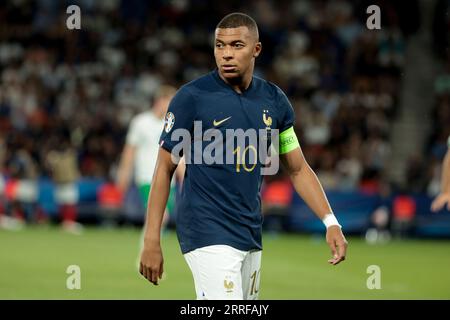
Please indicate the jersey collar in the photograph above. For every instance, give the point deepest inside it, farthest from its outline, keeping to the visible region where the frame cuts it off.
(222, 83)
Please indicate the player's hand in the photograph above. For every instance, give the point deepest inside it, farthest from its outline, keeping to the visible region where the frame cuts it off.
(337, 243)
(151, 266)
(440, 201)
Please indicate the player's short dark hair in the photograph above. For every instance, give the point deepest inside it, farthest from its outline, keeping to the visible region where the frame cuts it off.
(238, 19)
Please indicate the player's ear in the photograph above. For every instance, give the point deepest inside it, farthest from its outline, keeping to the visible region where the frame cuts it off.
(257, 49)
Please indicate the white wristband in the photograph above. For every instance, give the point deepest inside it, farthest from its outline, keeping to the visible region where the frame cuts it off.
(330, 220)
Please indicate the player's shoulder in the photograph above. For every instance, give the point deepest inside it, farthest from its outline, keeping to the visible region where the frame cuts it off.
(198, 85)
(268, 87)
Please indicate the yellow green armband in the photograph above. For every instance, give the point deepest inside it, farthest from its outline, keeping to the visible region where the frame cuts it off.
(288, 141)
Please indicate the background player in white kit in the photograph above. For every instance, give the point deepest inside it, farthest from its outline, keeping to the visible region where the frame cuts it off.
(141, 149)
(443, 197)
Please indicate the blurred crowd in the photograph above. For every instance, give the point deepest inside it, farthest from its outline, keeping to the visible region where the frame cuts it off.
(67, 96)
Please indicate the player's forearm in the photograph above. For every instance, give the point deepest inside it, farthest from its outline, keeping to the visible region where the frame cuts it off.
(308, 186)
(159, 193)
(157, 202)
(445, 184)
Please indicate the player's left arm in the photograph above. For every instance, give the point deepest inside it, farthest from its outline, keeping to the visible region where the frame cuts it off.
(309, 188)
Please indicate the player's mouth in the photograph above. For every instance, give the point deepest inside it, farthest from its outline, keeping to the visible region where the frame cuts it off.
(228, 67)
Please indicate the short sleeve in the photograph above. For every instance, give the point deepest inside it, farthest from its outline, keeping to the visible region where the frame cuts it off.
(287, 112)
(180, 115)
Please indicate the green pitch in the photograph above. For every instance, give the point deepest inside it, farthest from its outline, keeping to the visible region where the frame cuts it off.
(33, 264)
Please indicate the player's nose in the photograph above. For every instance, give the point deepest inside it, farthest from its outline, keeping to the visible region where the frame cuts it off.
(227, 53)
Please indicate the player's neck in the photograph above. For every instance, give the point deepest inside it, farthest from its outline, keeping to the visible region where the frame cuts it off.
(239, 84)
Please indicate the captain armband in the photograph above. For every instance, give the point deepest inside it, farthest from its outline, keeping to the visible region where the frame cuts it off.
(288, 141)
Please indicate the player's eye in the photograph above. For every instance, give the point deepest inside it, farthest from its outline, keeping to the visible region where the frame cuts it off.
(219, 45)
(239, 45)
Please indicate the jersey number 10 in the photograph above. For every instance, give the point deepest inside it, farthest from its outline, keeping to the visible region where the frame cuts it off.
(241, 158)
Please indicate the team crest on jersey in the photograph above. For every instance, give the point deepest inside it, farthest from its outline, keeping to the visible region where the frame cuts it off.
(169, 121)
(229, 285)
(267, 120)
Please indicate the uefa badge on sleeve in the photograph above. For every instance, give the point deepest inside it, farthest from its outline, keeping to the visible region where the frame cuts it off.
(169, 121)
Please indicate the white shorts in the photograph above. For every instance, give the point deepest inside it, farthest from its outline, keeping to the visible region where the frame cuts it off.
(222, 272)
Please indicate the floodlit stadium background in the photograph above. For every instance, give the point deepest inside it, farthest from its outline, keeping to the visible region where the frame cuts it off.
(373, 117)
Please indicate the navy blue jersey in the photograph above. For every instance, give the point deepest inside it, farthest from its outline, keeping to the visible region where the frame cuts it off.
(221, 203)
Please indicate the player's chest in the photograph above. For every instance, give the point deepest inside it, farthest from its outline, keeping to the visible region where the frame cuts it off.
(237, 112)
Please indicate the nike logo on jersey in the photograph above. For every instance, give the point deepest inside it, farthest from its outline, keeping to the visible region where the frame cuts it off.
(217, 123)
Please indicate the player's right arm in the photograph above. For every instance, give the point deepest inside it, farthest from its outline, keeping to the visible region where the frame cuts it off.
(181, 115)
(444, 197)
(151, 265)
